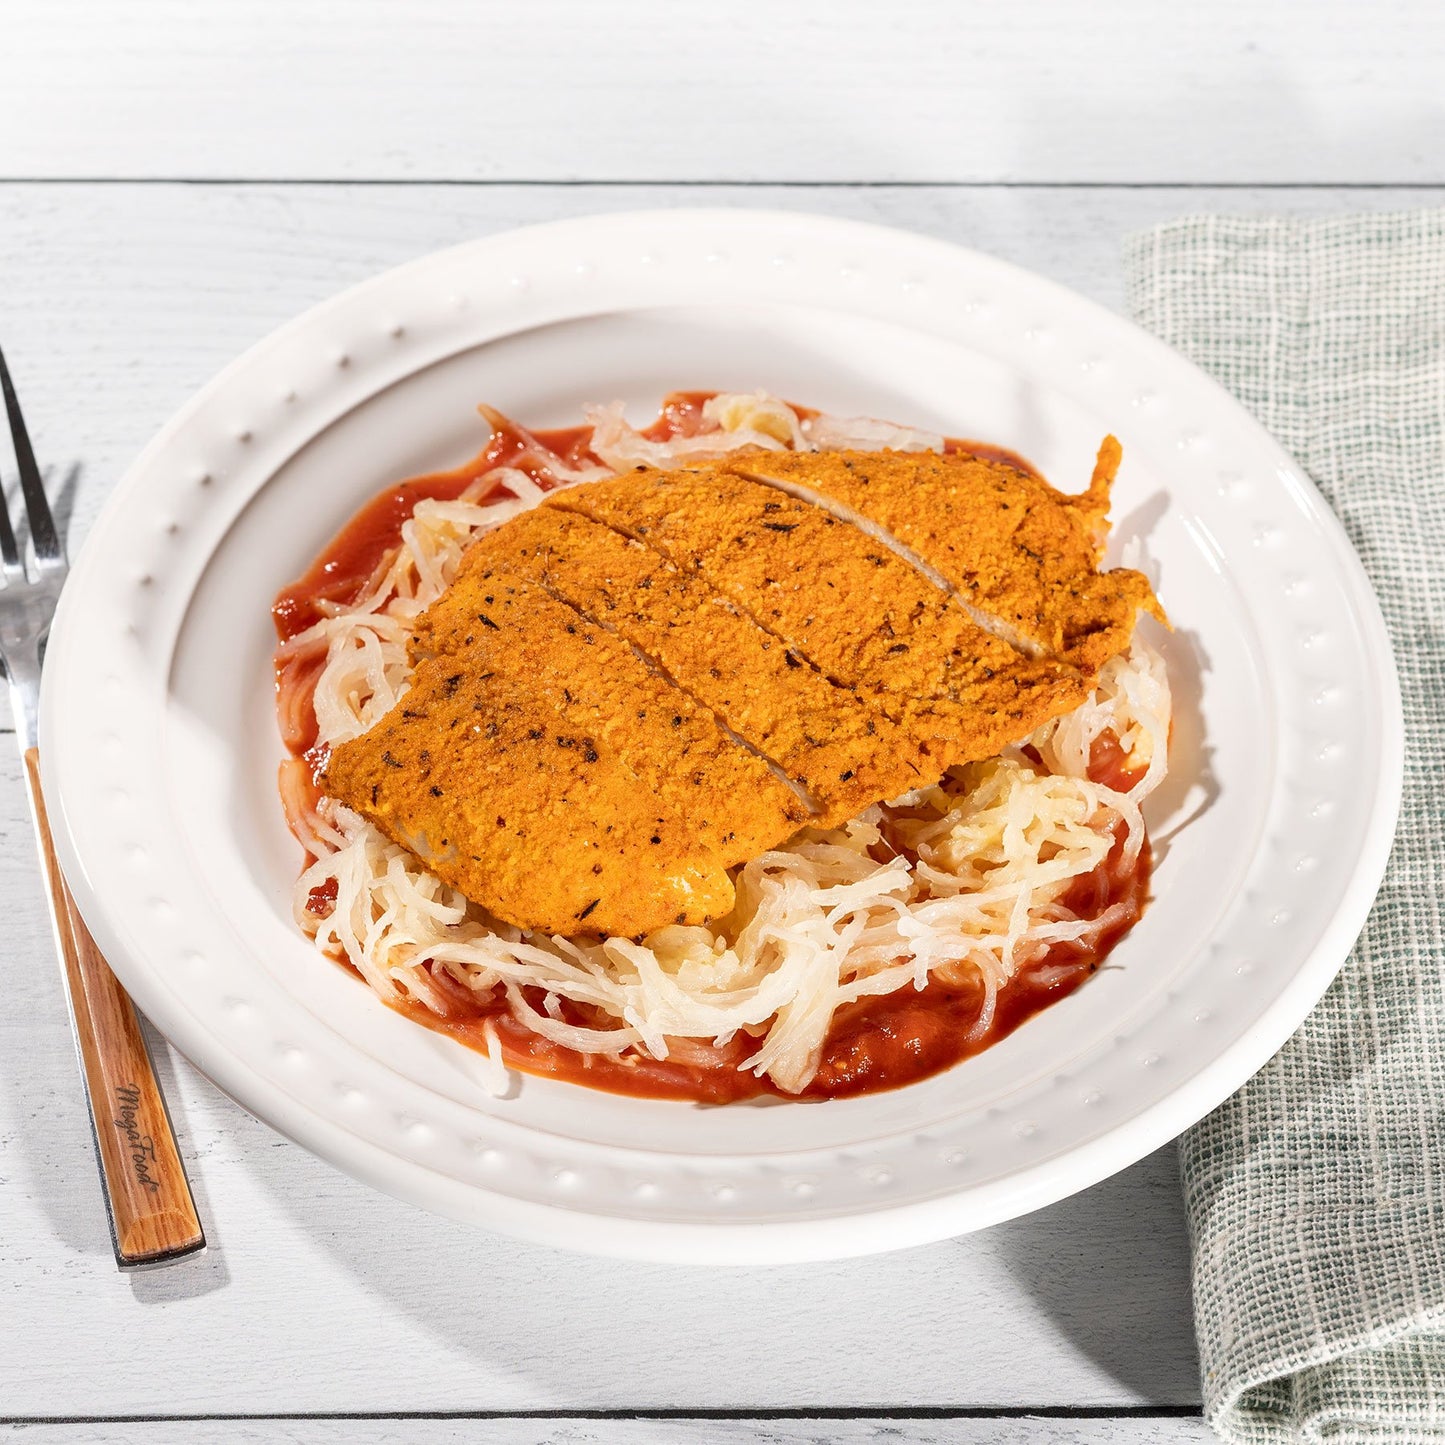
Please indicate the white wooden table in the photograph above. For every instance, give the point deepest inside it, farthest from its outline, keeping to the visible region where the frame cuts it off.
(177, 180)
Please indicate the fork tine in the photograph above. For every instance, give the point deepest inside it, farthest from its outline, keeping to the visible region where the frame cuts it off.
(9, 552)
(47, 544)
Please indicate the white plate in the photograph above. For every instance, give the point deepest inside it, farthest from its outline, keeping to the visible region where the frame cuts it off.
(160, 746)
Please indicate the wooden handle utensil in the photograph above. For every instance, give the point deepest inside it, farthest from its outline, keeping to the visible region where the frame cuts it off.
(153, 1217)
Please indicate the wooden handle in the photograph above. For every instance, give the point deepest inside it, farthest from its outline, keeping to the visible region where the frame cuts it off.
(153, 1217)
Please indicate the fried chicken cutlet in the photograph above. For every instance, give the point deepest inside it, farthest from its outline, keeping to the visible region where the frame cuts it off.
(651, 679)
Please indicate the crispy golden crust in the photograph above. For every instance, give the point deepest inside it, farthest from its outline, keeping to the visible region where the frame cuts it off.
(843, 601)
(482, 783)
(609, 697)
(591, 746)
(844, 753)
(1014, 548)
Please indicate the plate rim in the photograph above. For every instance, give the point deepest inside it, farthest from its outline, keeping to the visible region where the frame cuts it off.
(740, 1240)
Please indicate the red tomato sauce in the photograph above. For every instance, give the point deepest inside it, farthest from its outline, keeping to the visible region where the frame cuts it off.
(873, 1044)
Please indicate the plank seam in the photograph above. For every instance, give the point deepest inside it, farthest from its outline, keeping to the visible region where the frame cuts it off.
(606, 183)
(921, 1412)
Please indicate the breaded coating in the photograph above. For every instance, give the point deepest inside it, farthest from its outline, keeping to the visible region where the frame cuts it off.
(841, 600)
(1018, 551)
(655, 768)
(543, 828)
(845, 754)
(648, 680)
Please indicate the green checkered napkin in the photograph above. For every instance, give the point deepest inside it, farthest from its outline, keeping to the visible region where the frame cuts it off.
(1316, 1196)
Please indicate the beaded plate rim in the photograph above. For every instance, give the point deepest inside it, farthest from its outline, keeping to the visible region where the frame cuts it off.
(1332, 681)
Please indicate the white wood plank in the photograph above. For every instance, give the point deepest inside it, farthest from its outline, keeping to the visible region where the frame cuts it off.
(1026, 1430)
(818, 90)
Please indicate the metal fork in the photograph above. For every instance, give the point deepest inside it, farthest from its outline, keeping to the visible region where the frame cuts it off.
(153, 1218)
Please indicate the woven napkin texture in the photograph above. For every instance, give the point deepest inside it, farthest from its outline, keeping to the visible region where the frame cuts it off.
(1316, 1196)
